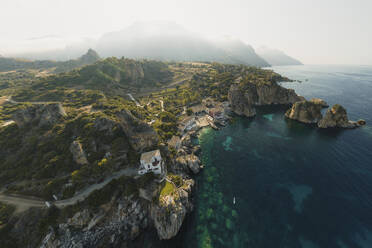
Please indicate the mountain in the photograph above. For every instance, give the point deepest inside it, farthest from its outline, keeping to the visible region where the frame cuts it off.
(10, 64)
(276, 57)
(239, 51)
(89, 58)
(169, 41)
(112, 76)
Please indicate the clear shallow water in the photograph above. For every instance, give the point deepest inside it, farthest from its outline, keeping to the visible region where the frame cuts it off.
(294, 185)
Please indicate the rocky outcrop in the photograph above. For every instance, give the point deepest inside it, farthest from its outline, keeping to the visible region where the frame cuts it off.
(140, 135)
(78, 153)
(336, 117)
(239, 102)
(319, 101)
(115, 225)
(361, 122)
(39, 114)
(305, 111)
(244, 97)
(189, 161)
(168, 214)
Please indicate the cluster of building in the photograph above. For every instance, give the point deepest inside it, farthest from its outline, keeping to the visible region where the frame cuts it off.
(208, 113)
(205, 114)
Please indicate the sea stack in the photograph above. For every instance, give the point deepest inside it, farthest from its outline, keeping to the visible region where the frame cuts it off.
(306, 111)
(336, 117)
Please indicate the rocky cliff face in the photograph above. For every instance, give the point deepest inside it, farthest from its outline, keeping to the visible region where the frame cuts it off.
(310, 112)
(39, 114)
(244, 97)
(78, 153)
(168, 214)
(115, 225)
(323, 103)
(140, 135)
(305, 111)
(239, 102)
(336, 117)
(189, 161)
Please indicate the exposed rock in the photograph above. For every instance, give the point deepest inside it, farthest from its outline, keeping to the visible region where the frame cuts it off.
(323, 103)
(361, 122)
(78, 153)
(39, 114)
(168, 214)
(336, 117)
(305, 111)
(244, 97)
(104, 124)
(189, 161)
(140, 135)
(80, 219)
(239, 102)
(117, 226)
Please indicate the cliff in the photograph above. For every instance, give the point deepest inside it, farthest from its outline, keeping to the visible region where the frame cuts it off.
(305, 111)
(244, 97)
(140, 135)
(310, 112)
(39, 114)
(115, 224)
(170, 211)
(336, 117)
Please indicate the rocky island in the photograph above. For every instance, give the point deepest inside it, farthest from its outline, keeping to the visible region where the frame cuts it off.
(310, 112)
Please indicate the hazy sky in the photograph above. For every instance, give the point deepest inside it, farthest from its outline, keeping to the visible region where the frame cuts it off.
(314, 31)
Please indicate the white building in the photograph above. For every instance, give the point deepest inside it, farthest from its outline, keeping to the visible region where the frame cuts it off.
(151, 162)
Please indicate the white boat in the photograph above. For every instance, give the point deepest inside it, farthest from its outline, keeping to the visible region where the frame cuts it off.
(234, 200)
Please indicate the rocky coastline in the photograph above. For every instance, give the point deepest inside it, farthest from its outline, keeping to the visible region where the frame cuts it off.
(309, 112)
(157, 206)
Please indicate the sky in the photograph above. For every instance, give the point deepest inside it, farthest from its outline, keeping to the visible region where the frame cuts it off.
(313, 31)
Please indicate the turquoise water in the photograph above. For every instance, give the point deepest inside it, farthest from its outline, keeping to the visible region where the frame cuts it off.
(294, 185)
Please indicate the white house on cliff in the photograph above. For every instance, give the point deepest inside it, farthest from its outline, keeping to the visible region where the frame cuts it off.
(151, 162)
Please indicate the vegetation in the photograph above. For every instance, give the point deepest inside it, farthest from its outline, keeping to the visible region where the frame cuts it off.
(167, 189)
(37, 160)
(11, 64)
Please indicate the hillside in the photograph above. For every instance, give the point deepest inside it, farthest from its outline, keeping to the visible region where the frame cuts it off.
(11, 64)
(111, 76)
(276, 57)
(68, 133)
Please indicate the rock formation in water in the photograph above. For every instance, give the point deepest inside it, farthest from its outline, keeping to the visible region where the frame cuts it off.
(306, 111)
(168, 214)
(323, 103)
(39, 114)
(244, 97)
(336, 117)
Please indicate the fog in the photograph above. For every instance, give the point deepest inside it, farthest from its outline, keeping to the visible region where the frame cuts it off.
(314, 32)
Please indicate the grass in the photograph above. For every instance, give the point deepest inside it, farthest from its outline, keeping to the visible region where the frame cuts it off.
(167, 189)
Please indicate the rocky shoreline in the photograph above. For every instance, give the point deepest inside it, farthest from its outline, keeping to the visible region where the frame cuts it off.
(310, 112)
(164, 203)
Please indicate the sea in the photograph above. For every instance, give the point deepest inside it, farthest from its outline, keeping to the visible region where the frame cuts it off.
(270, 182)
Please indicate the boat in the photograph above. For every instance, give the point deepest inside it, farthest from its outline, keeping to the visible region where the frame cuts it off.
(234, 200)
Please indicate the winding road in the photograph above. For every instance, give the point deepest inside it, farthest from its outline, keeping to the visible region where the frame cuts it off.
(23, 203)
(134, 100)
